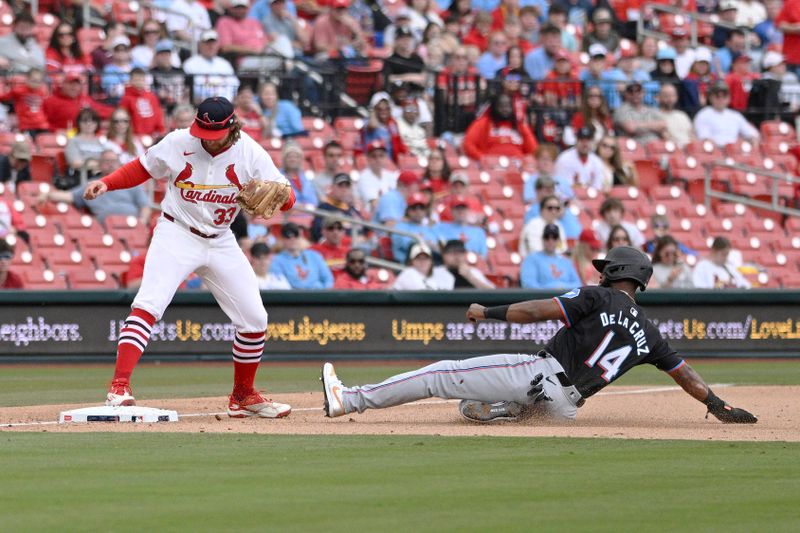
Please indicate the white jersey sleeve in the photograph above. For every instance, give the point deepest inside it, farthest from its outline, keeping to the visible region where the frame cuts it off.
(155, 159)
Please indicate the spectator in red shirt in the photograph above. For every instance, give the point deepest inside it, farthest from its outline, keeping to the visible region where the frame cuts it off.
(508, 9)
(143, 106)
(788, 22)
(481, 29)
(28, 101)
(8, 279)
(334, 244)
(64, 54)
(356, 276)
(739, 80)
(498, 132)
(62, 107)
(561, 87)
(249, 113)
(337, 34)
(239, 35)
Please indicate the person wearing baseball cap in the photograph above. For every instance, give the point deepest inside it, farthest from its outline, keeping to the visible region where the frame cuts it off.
(720, 124)
(339, 201)
(261, 259)
(376, 178)
(391, 205)
(302, 267)
(637, 120)
(336, 34)
(213, 75)
(583, 252)
(416, 221)
(547, 268)
(455, 263)
(420, 275)
(461, 227)
(741, 76)
(602, 31)
(665, 71)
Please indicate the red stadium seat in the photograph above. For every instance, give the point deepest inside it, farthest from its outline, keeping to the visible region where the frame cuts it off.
(361, 82)
(775, 129)
(630, 149)
(318, 127)
(348, 124)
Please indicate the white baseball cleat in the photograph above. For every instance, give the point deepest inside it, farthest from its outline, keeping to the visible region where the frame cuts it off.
(332, 391)
(119, 394)
(256, 405)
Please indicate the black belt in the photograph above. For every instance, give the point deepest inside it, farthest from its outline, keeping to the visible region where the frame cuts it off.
(193, 230)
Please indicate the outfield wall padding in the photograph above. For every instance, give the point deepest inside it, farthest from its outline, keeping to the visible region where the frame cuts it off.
(337, 324)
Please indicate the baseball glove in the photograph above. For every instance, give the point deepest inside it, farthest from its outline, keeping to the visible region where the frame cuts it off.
(263, 198)
(727, 413)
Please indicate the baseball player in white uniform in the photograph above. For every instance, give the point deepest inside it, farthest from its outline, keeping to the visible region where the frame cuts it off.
(207, 165)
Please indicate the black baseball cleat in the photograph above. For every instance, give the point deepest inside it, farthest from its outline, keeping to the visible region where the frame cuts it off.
(483, 412)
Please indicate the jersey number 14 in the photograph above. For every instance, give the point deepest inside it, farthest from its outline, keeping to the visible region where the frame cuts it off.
(608, 361)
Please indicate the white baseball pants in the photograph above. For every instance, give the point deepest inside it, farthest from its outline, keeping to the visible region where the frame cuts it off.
(175, 252)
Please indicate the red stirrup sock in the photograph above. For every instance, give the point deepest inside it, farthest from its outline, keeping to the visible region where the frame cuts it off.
(247, 350)
(133, 339)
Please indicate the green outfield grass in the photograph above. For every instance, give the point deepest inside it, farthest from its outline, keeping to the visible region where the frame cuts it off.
(171, 482)
(37, 385)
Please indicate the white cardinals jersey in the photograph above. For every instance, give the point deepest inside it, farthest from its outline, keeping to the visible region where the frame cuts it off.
(202, 188)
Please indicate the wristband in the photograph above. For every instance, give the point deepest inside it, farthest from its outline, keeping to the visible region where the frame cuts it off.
(496, 313)
(713, 402)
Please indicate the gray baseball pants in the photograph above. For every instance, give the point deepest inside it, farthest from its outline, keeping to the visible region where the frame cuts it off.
(492, 378)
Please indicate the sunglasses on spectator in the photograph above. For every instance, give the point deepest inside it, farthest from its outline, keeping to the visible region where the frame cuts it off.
(357, 261)
(608, 145)
(335, 227)
(63, 33)
(620, 238)
(120, 120)
(550, 238)
(553, 207)
(660, 226)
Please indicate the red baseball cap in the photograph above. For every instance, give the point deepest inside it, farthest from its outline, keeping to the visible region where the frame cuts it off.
(589, 237)
(417, 199)
(459, 200)
(340, 3)
(213, 120)
(376, 144)
(407, 177)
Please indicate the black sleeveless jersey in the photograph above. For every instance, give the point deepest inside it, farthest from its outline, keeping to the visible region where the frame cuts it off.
(606, 334)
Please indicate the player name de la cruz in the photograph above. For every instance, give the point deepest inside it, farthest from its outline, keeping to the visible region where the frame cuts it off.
(633, 327)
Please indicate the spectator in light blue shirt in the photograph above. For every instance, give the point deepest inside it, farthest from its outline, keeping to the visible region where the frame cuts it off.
(293, 161)
(414, 222)
(540, 61)
(485, 5)
(547, 269)
(284, 117)
(495, 57)
(474, 238)
(305, 269)
(261, 10)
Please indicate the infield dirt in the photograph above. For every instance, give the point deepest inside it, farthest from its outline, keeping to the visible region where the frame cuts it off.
(618, 412)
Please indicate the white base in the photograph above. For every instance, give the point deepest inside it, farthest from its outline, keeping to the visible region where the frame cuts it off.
(132, 413)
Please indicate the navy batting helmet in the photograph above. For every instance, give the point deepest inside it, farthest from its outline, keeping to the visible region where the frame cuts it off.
(625, 262)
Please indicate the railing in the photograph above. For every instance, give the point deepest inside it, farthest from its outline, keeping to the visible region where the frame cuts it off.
(356, 223)
(693, 19)
(773, 205)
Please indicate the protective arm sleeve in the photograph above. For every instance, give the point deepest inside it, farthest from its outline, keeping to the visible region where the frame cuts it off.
(128, 175)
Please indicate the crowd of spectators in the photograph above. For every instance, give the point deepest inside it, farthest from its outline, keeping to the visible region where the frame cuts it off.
(558, 83)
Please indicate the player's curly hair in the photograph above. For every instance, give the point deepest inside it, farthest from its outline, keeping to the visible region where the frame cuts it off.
(235, 132)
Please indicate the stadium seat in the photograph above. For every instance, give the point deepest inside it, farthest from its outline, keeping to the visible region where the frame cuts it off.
(348, 124)
(630, 149)
(88, 280)
(650, 174)
(318, 127)
(362, 81)
(35, 279)
(43, 168)
(704, 151)
(775, 129)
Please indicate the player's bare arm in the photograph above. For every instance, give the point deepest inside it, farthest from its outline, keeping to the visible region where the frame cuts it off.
(693, 384)
(94, 189)
(521, 313)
